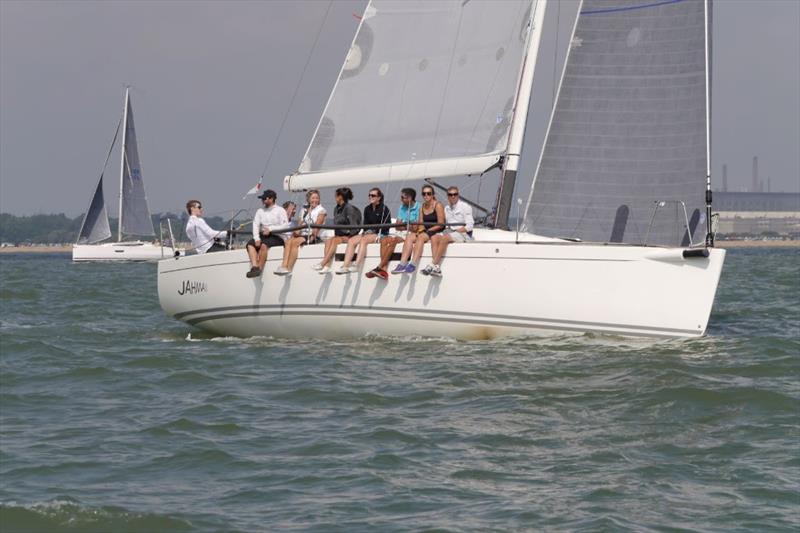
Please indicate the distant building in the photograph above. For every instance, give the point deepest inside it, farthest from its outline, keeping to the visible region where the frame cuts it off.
(757, 213)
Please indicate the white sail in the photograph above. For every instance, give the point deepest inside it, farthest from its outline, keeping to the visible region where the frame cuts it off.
(629, 128)
(426, 90)
(134, 213)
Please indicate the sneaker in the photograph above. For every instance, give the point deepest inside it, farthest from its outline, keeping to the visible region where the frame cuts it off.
(343, 270)
(324, 270)
(318, 266)
(372, 273)
(437, 271)
(381, 273)
(353, 268)
(282, 271)
(427, 270)
(254, 272)
(399, 269)
(410, 268)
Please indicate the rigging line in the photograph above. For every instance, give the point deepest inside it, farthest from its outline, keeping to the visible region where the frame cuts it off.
(446, 86)
(555, 54)
(297, 88)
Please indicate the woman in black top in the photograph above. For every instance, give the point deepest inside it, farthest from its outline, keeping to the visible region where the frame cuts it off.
(344, 214)
(375, 212)
(431, 222)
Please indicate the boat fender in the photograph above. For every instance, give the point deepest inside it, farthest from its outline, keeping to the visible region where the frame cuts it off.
(695, 252)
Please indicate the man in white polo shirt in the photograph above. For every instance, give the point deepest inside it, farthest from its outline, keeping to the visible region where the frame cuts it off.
(455, 212)
(268, 219)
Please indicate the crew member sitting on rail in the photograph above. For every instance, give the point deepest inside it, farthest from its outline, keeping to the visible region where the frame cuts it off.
(313, 213)
(431, 222)
(269, 218)
(375, 212)
(344, 214)
(407, 217)
(456, 211)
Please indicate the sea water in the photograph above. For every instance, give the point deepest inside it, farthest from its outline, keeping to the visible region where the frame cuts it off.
(114, 417)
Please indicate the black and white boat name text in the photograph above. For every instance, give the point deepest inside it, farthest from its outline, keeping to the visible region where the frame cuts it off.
(192, 287)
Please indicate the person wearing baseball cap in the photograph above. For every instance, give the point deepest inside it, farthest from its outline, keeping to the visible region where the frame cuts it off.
(267, 221)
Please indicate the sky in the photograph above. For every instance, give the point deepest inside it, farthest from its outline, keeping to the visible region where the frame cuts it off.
(212, 82)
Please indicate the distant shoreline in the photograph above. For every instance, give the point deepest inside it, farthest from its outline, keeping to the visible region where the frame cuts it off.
(720, 244)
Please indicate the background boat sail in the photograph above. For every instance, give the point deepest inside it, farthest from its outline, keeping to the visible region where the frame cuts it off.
(134, 214)
(441, 89)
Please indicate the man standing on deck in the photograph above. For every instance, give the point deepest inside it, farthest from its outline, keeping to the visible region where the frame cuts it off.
(267, 220)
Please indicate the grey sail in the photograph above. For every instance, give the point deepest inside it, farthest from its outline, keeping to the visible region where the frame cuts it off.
(135, 215)
(95, 226)
(426, 89)
(629, 127)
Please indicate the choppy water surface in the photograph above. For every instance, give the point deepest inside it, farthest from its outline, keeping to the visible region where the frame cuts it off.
(116, 418)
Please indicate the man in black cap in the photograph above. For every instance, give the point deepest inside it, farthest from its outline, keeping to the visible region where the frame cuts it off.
(268, 219)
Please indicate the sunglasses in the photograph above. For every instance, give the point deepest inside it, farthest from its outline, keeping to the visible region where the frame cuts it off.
(452, 194)
(198, 206)
(427, 193)
(371, 195)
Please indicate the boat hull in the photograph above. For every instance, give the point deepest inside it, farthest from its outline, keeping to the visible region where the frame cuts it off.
(489, 290)
(121, 251)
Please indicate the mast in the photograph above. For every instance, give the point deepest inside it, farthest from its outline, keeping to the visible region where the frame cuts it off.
(519, 119)
(122, 162)
(709, 233)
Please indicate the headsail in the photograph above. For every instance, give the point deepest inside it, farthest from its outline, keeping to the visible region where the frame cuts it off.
(628, 128)
(426, 90)
(135, 215)
(95, 227)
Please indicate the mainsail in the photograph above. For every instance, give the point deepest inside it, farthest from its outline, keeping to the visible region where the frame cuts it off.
(134, 213)
(629, 128)
(427, 90)
(95, 226)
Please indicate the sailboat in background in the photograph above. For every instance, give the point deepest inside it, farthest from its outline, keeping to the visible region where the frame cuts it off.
(134, 214)
(441, 89)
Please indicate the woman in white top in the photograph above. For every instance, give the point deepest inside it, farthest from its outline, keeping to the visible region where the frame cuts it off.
(203, 237)
(313, 214)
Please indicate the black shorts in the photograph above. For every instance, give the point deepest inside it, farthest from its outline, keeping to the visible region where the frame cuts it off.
(270, 241)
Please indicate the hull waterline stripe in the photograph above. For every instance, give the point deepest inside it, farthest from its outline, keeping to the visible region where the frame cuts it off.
(407, 314)
(620, 330)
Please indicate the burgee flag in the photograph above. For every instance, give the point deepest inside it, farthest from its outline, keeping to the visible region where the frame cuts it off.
(255, 189)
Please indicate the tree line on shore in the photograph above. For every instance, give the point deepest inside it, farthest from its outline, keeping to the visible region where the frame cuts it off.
(61, 229)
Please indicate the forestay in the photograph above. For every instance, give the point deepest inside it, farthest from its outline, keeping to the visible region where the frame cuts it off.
(426, 90)
(135, 214)
(628, 128)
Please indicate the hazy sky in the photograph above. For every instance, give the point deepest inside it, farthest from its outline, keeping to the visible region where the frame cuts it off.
(212, 81)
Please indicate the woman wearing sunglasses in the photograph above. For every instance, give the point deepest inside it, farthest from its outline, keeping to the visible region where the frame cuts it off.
(375, 212)
(431, 222)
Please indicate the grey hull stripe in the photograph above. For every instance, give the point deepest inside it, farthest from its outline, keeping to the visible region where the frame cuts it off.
(504, 258)
(415, 314)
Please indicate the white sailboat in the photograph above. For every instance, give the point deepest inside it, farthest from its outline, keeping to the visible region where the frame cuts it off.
(134, 214)
(438, 89)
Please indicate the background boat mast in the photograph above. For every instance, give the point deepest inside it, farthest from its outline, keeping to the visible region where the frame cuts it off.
(122, 162)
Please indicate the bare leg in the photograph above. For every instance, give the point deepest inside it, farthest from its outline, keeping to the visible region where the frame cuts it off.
(387, 249)
(292, 251)
(419, 246)
(253, 255)
(444, 242)
(362, 250)
(330, 249)
(352, 244)
(407, 247)
(262, 256)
